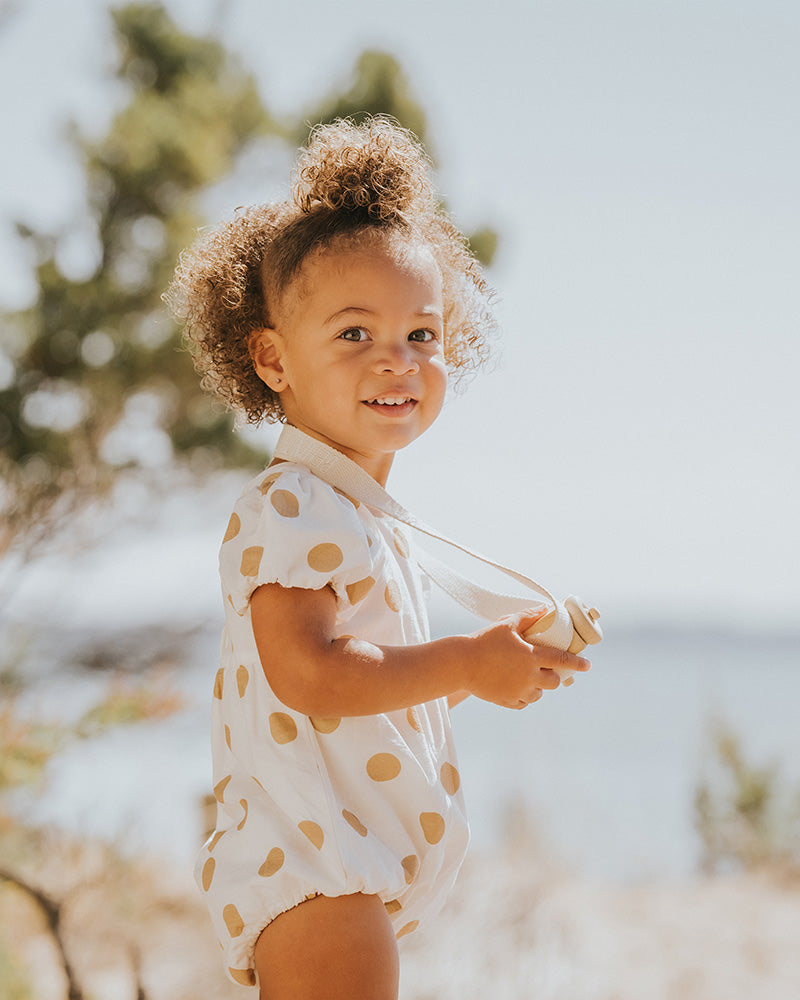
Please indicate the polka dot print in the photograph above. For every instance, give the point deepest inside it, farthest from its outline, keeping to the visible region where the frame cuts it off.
(285, 503)
(244, 977)
(432, 824)
(208, 874)
(355, 822)
(251, 560)
(325, 558)
(358, 591)
(233, 920)
(325, 725)
(410, 867)
(392, 596)
(313, 831)
(400, 543)
(273, 863)
(267, 482)
(233, 529)
(397, 775)
(219, 788)
(450, 778)
(282, 727)
(383, 767)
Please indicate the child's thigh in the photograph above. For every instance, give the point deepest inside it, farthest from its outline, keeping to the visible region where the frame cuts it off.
(340, 948)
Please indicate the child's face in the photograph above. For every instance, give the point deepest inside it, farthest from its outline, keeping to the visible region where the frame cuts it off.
(359, 351)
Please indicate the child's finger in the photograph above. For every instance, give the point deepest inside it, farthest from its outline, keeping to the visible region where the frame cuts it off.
(522, 620)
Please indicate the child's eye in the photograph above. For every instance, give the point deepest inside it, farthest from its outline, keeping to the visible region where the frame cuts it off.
(354, 334)
(422, 336)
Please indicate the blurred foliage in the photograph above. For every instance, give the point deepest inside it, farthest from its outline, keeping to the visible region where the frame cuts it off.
(100, 382)
(744, 816)
(377, 85)
(27, 744)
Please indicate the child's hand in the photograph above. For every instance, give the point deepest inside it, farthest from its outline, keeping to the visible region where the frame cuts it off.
(510, 671)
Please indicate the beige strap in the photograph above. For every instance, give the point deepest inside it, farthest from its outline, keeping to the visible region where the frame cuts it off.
(339, 471)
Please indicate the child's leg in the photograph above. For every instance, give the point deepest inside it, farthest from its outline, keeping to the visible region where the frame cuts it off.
(340, 948)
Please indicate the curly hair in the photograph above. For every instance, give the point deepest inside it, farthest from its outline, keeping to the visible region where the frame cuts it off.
(350, 180)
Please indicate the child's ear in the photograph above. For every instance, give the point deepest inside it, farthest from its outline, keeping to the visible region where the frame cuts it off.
(264, 346)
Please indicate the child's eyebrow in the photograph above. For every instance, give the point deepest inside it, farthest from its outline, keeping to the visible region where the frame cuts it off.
(426, 313)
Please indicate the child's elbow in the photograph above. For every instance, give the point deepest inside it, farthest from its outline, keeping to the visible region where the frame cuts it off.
(301, 684)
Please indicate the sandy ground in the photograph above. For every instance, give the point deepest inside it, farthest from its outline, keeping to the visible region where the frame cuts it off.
(510, 931)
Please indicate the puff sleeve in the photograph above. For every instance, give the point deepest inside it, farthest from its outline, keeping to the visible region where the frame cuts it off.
(291, 528)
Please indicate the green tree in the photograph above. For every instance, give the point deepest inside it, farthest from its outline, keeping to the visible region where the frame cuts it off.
(99, 353)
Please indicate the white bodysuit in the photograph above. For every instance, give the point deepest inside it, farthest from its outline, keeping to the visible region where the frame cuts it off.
(323, 805)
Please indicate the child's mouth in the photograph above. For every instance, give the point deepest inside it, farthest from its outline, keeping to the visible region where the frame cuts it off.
(392, 406)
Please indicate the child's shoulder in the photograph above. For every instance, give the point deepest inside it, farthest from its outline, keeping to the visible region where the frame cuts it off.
(291, 527)
(291, 492)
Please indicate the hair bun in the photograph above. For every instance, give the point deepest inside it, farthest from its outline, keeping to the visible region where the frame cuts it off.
(377, 168)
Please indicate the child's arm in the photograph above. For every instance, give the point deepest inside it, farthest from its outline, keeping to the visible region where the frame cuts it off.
(317, 674)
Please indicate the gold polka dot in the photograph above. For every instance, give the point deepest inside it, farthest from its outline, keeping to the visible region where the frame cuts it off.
(234, 526)
(243, 804)
(251, 560)
(233, 920)
(400, 543)
(215, 840)
(410, 867)
(451, 779)
(392, 595)
(285, 503)
(325, 558)
(413, 720)
(383, 767)
(208, 873)
(228, 736)
(267, 481)
(432, 826)
(358, 591)
(408, 929)
(355, 822)
(242, 680)
(323, 725)
(313, 831)
(244, 977)
(220, 787)
(273, 863)
(218, 680)
(282, 727)
(393, 906)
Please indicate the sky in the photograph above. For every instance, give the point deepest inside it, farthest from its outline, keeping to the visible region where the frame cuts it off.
(636, 441)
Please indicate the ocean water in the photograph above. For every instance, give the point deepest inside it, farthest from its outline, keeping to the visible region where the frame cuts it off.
(603, 772)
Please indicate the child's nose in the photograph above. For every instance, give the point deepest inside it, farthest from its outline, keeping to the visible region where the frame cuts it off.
(397, 360)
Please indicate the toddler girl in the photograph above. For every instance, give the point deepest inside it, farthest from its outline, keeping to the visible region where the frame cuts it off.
(340, 825)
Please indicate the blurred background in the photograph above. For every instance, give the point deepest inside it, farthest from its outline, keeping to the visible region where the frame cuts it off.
(627, 171)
